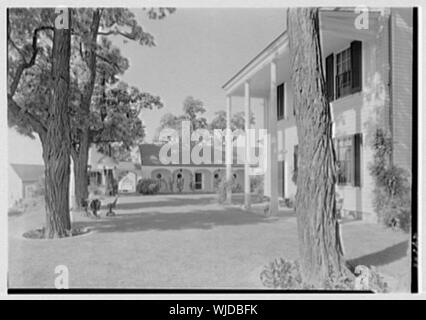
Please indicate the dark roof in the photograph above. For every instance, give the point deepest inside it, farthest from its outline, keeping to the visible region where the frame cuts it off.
(150, 157)
(128, 166)
(28, 172)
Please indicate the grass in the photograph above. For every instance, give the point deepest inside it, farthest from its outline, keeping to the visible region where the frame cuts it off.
(182, 241)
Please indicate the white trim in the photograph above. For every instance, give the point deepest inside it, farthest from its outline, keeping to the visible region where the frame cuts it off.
(264, 58)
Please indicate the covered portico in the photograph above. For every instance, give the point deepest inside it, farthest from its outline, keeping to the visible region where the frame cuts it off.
(270, 69)
(259, 79)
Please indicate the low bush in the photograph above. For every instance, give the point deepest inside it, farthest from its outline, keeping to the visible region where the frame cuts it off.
(286, 274)
(39, 189)
(223, 186)
(283, 274)
(148, 186)
(257, 186)
(392, 191)
(221, 190)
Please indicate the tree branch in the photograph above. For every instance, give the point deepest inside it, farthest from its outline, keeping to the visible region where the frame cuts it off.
(25, 64)
(108, 61)
(20, 113)
(91, 59)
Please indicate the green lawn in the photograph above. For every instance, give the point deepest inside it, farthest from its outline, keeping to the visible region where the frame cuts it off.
(183, 241)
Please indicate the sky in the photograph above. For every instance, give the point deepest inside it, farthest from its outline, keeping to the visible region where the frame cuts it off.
(196, 52)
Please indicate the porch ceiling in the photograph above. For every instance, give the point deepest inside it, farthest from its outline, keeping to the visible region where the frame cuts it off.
(337, 31)
(260, 80)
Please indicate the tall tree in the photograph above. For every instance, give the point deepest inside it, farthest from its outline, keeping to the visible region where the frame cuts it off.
(237, 120)
(95, 23)
(193, 110)
(116, 126)
(52, 123)
(320, 255)
(29, 40)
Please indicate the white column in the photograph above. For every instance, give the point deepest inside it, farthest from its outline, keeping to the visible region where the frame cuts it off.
(228, 143)
(267, 176)
(247, 145)
(273, 159)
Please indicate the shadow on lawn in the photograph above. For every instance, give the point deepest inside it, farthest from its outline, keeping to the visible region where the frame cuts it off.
(201, 219)
(382, 257)
(165, 202)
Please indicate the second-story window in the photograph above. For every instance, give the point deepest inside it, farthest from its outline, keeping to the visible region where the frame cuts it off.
(343, 73)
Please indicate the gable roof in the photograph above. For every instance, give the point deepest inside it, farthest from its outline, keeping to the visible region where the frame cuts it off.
(28, 172)
(150, 157)
(128, 166)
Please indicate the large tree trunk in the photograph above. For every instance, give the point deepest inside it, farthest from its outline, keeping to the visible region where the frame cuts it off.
(80, 172)
(319, 243)
(56, 142)
(81, 155)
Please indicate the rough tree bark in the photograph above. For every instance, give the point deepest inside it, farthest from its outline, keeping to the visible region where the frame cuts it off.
(319, 244)
(80, 152)
(80, 159)
(56, 141)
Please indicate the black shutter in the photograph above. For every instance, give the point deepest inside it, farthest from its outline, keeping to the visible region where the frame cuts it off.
(280, 101)
(356, 65)
(357, 142)
(329, 74)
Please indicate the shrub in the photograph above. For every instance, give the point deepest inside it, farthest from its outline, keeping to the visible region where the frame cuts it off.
(281, 273)
(289, 202)
(14, 212)
(148, 186)
(221, 190)
(392, 191)
(223, 186)
(286, 274)
(39, 189)
(257, 186)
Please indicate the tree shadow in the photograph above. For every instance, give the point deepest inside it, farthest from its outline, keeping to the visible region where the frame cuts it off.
(382, 257)
(199, 219)
(164, 202)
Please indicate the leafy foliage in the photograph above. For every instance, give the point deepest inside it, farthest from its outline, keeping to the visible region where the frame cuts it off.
(282, 273)
(148, 186)
(392, 192)
(286, 274)
(116, 117)
(223, 187)
(193, 109)
(237, 120)
(257, 186)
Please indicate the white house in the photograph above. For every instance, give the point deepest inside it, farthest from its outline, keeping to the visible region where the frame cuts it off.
(369, 80)
(127, 173)
(22, 181)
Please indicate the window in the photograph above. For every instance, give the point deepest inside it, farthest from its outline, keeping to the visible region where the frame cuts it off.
(348, 157)
(280, 102)
(198, 181)
(343, 73)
